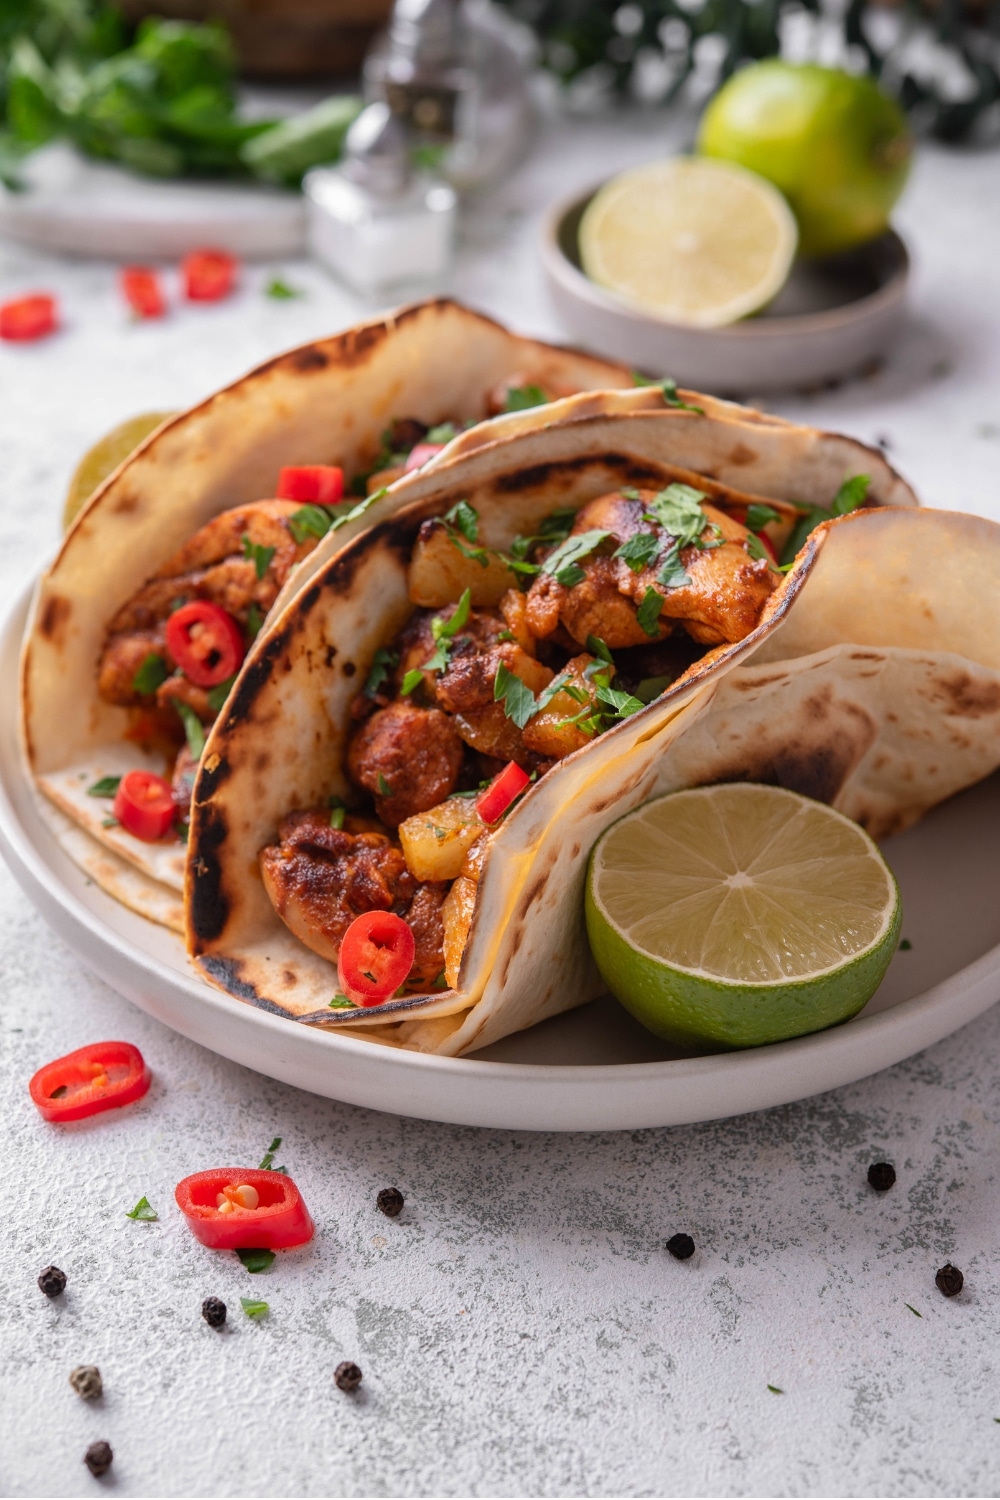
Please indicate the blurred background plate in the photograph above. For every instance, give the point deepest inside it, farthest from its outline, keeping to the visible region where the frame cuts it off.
(831, 319)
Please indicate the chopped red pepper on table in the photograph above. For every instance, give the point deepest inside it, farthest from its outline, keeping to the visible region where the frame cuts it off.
(27, 318)
(104, 1075)
(376, 956)
(208, 275)
(205, 642)
(143, 291)
(237, 1208)
(318, 484)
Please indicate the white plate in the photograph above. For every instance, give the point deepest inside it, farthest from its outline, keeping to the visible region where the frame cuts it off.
(592, 1069)
(83, 207)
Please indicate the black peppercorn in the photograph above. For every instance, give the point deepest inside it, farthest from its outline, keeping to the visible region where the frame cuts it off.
(949, 1280)
(390, 1201)
(881, 1176)
(98, 1458)
(86, 1381)
(347, 1376)
(681, 1246)
(52, 1281)
(213, 1310)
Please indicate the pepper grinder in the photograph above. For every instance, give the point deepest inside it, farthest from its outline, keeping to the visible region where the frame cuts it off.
(378, 223)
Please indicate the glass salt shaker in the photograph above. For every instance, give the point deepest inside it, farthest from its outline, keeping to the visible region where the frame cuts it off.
(374, 220)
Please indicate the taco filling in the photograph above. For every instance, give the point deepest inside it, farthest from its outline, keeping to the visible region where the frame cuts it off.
(508, 663)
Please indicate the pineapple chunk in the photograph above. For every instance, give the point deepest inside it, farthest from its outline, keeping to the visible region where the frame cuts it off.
(440, 571)
(456, 913)
(548, 734)
(436, 842)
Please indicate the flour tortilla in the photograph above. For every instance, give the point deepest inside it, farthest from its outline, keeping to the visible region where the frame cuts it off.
(281, 745)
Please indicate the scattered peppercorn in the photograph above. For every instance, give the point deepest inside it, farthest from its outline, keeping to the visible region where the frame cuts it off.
(347, 1376)
(86, 1381)
(52, 1281)
(98, 1458)
(681, 1246)
(949, 1280)
(390, 1201)
(213, 1310)
(881, 1176)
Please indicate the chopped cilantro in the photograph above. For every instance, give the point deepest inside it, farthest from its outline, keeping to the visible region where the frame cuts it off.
(524, 397)
(253, 1308)
(309, 520)
(412, 680)
(256, 1260)
(444, 631)
(562, 563)
(383, 662)
(651, 687)
(672, 574)
(517, 698)
(183, 831)
(258, 555)
(110, 823)
(267, 1165)
(385, 790)
(143, 1211)
(106, 787)
(151, 672)
(623, 704)
(851, 495)
(281, 291)
(559, 684)
(254, 621)
(506, 635)
(558, 523)
(639, 551)
(341, 1002)
(443, 433)
(678, 510)
(648, 614)
(755, 548)
(668, 389)
(776, 1389)
(338, 812)
(913, 1310)
(600, 649)
(465, 518)
(217, 696)
(639, 379)
(759, 516)
(441, 982)
(194, 731)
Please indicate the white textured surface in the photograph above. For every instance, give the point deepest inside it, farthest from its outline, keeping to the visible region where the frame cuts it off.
(521, 1328)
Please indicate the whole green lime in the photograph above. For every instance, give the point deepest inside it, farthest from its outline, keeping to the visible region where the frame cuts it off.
(835, 144)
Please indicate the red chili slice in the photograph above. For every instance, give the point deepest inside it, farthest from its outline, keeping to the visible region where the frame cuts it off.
(279, 1221)
(375, 957)
(208, 275)
(318, 484)
(142, 291)
(205, 642)
(144, 805)
(767, 544)
(495, 799)
(28, 318)
(104, 1075)
(422, 454)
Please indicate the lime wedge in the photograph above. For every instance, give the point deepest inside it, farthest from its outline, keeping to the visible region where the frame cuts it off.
(734, 915)
(696, 241)
(105, 456)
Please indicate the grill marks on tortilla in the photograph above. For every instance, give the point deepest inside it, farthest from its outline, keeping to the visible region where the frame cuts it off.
(55, 618)
(967, 699)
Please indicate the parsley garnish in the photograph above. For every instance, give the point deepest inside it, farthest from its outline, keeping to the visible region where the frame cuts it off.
(443, 433)
(678, 510)
(524, 397)
(255, 1261)
(648, 613)
(383, 662)
(651, 687)
(562, 564)
(441, 983)
(254, 621)
(776, 1389)
(267, 1165)
(385, 790)
(217, 696)
(151, 672)
(623, 704)
(672, 574)
(258, 555)
(110, 823)
(850, 497)
(755, 548)
(444, 632)
(668, 389)
(639, 551)
(913, 1310)
(412, 680)
(253, 1308)
(341, 1002)
(106, 787)
(600, 649)
(517, 698)
(463, 521)
(759, 516)
(281, 291)
(338, 812)
(143, 1211)
(194, 731)
(310, 520)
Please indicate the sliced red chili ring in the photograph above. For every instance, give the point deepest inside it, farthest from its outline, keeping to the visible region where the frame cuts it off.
(279, 1220)
(317, 484)
(27, 318)
(208, 275)
(144, 805)
(143, 292)
(495, 799)
(376, 955)
(205, 642)
(104, 1075)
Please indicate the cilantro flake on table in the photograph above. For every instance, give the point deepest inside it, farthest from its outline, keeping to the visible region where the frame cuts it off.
(143, 1211)
(253, 1308)
(267, 1165)
(776, 1390)
(256, 1261)
(281, 291)
(913, 1310)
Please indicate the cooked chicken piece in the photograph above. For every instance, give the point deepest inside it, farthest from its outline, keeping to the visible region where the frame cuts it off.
(415, 643)
(184, 691)
(182, 782)
(514, 608)
(121, 659)
(594, 607)
(319, 879)
(467, 689)
(409, 758)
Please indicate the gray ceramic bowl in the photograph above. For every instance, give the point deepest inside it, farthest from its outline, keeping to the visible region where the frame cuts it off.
(833, 318)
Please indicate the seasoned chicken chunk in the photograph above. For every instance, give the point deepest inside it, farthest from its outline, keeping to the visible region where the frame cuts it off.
(319, 879)
(409, 759)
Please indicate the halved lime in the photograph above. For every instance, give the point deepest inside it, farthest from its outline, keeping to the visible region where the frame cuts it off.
(733, 915)
(105, 456)
(696, 241)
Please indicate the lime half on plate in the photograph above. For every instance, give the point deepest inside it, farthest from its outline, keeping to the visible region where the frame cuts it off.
(734, 915)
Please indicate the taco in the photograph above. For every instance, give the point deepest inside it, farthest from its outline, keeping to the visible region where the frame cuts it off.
(444, 720)
(141, 623)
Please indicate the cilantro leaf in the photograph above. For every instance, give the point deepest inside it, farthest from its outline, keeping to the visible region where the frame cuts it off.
(143, 1211)
(678, 510)
(254, 621)
(267, 1165)
(562, 564)
(759, 516)
(194, 731)
(256, 1261)
(648, 614)
(623, 704)
(217, 696)
(444, 631)
(106, 787)
(253, 1308)
(600, 649)
(310, 520)
(559, 684)
(281, 291)
(258, 555)
(443, 433)
(755, 548)
(517, 698)
(341, 1002)
(151, 672)
(383, 662)
(639, 551)
(412, 680)
(672, 574)
(668, 389)
(337, 814)
(465, 518)
(558, 523)
(851, 495)
(524, 397)
(651, 687)
(343, 513)
(385, 790)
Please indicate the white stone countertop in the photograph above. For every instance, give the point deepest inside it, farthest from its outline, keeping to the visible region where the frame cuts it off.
(521, 1328)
